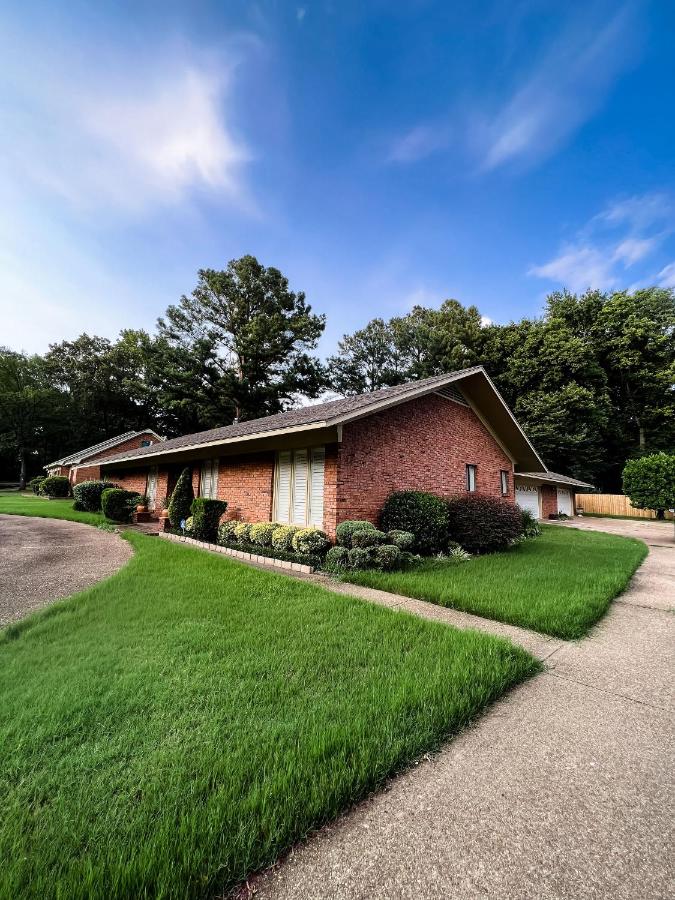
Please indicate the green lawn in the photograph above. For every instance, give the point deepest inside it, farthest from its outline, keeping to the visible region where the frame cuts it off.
(25, 504)
(178, 726)
(560, 583)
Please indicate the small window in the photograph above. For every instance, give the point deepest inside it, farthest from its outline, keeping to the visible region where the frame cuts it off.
(146, 443)
(471, 478)
(505, 482)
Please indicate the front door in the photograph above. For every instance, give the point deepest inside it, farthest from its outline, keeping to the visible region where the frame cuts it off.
(151, 490)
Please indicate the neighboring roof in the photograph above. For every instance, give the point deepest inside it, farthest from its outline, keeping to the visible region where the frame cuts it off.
(338, 412)
(75, 458)
(554, 477)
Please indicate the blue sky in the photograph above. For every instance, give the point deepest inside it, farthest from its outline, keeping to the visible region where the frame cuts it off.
(380, 154)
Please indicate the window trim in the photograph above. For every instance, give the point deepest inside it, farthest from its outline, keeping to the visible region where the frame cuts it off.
(471, 476)
(504, 482)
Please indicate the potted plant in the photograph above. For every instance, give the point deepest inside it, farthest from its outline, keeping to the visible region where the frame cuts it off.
(142, 505)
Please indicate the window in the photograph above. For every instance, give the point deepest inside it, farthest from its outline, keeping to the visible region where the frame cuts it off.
(505, 482)
(298, 487)
(146, 443)
(208, 482)
(471, 478)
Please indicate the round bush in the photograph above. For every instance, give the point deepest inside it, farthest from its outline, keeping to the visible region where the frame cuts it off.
(310, 542)
(282, 537)
(337, 559)
(482, 524)
(35, 484)
(189, 525)
(404, 540)
(261, 533)
(345, 530)
(242, 532)
(226, 532)
(531, 527)
(387, 557)
(55, 486)
(87, 494)
(424, 515)
(118, 504)
(359, 558)
(368, 537)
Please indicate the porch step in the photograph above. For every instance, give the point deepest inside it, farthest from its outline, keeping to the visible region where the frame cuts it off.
(146, 517)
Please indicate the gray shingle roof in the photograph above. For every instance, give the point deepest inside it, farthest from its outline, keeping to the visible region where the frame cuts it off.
(77, 457)
(553, 476)
(330, 413)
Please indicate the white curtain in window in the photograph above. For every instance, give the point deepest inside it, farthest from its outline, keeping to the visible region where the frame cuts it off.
(208, 483)
(298, 497)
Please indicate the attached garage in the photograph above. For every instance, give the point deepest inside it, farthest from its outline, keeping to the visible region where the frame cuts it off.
(547, 493)
(565, 501)
(527, 497)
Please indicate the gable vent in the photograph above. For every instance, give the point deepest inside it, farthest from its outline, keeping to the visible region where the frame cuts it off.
(450, 392)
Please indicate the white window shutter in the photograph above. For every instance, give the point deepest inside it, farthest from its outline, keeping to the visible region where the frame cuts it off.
(300, 472)
(283, 485)
(316, 487)
(214, 480)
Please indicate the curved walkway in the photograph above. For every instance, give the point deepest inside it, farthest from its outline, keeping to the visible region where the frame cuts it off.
(563, 789)
(42, 560)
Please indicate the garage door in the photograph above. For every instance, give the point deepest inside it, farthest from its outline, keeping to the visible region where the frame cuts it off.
(528, 498)
(565, 501)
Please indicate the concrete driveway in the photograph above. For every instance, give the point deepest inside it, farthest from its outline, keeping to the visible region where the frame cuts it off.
(42, 560)
(564, 789)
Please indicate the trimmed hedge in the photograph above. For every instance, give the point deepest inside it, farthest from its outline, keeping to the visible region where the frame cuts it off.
(345, 530)
(261, 533)
(282, 537)
(118, 504)
(242, 532)
(35, 484)
(368, 537)
(310, 541)
(270, 553)
(424, 515)
(404, 540)
(55, 486)
(337, 560)
(87, 494)
(482, 524)
(206, 515)
(180, 504)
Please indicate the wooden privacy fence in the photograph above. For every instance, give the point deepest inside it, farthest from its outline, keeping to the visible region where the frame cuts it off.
(613, 505)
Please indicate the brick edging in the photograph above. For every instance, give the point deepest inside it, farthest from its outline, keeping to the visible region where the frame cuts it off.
(239, 554)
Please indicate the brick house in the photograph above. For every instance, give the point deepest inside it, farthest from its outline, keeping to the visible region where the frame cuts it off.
(84, 465)
(325, 463)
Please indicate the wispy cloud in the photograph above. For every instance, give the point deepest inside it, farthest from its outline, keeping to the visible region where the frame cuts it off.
(666, 277)
(625, 233)
(418, 143)
(560, 93)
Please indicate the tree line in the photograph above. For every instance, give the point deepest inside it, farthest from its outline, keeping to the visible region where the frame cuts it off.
(591, 380)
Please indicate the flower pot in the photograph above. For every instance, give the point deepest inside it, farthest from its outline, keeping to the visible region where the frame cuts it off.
(140, 508)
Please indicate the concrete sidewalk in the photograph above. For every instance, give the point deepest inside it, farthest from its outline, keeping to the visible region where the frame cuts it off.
(562, 790)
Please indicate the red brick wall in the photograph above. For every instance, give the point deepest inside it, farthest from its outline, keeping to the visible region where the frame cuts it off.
(549, 500)
(246, 483)
(78, 474)
(424, 444)
(131, 444)
(130, 479)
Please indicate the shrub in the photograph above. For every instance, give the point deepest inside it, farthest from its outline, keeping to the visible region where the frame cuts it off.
(345, 530)
(310, 541)
(118, 504)
(189, 522)
(386, 557)
(35, 484)
(531, 528)
(483, 524)
(55, 486)
(368, 537)
(459, 554)
(87, 494)
(242, 532)
(180, 504)
(359, 558)
(424, 515)
(282, 537)
(261, 533)
(206, 515)
(226, 531)
(649, 482)
(404, 540)
(337, 560)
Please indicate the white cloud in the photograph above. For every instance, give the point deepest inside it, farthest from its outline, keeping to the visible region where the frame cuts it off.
(666, 277)
(300, 13)
(418, 143)
(612, 242)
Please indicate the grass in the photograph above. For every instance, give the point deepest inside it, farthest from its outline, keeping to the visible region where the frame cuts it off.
(178, 726)
(560, 583)
(17, 503)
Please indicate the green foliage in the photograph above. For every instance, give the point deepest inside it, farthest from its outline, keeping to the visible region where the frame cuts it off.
(482, 524)
(368, 537)
(346, 529)
(282, 537)
(87, 494)
(118, 504)
(182, 496)
(424, 515)
(206, 516)
(35, 484)
(189, 525)
(531, 527)
(261, 533)
(649, 481)
(242, 532)
(359, 558)
(386, 557)
(226, 532)
(404, 540)
(310, 541)
(55, 486)
(337, 560)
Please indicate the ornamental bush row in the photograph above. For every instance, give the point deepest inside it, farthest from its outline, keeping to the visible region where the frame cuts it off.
(273, 536)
